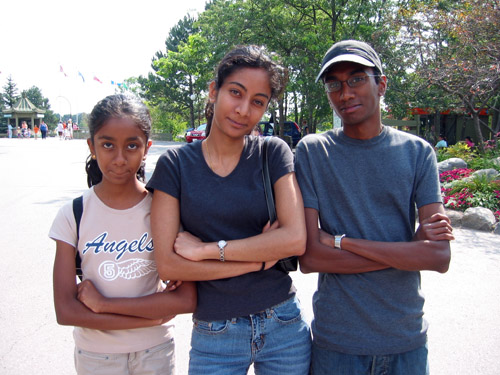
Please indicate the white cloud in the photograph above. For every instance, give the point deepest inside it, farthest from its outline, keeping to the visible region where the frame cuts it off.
(110, 39)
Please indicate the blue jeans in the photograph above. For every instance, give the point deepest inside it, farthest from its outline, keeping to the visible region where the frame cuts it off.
(327, 362)
(276, 341)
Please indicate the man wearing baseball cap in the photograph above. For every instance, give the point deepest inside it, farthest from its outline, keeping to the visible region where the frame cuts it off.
(363, 183)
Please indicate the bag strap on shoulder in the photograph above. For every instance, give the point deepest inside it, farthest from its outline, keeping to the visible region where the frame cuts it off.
(268, 189)
(78, 212)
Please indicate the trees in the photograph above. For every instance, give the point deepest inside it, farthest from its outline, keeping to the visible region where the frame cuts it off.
(10, 95)
(458, 45)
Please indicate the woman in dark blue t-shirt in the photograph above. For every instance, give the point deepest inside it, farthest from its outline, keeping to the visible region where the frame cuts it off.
(247, 309)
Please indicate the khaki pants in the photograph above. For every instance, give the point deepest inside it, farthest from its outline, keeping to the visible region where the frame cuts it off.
(157, 360)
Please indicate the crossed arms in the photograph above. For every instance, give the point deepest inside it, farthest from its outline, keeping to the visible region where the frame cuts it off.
(429, 249)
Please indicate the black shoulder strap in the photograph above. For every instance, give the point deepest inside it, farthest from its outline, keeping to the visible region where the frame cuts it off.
(268, 189)
(77, 212)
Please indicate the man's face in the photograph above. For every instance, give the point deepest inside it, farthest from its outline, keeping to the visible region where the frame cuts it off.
(356, 105)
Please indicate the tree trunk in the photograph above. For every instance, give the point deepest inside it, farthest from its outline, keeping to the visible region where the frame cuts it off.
(477, 127)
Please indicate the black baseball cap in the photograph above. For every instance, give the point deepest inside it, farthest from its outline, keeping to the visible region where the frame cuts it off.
(350, 50)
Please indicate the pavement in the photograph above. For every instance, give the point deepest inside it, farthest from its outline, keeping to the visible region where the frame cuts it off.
(462, 306)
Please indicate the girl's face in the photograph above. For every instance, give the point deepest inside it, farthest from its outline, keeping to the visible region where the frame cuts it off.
(241, 101)
(120, 146)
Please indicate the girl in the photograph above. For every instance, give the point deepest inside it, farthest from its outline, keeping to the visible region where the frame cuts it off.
(247, 311)
(120, 309)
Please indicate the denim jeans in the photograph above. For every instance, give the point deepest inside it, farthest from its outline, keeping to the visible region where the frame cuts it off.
(276, 341)
(327, 362)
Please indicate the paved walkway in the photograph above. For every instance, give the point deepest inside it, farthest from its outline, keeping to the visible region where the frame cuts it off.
(463, 305)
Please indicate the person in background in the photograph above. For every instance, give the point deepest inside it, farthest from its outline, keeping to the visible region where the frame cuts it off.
(362, 184)
(247, 309)
(468, 142)
(442, 143)
(44, 129)
(9, 130)
(121, 309)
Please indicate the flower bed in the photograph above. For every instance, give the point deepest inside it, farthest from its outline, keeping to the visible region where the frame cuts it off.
(461, 191)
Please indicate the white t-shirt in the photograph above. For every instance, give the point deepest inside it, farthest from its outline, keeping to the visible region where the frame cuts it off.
(116, 249)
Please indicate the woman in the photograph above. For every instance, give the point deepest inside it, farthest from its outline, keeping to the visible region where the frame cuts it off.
(247, 310)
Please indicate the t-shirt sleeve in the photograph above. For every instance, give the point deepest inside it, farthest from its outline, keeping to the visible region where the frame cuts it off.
(64, 226)
(428, 189)
(304, 176)
(166, 175)
(280, 159)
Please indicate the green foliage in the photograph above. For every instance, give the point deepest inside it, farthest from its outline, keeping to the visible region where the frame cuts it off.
(165, 123)
(458, 150)
(10, 95)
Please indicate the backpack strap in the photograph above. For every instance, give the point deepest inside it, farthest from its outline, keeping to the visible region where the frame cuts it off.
(78, 212)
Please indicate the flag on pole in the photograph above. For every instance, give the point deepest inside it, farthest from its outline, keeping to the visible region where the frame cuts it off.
(81, 75)
(97, 79)
(62, 70)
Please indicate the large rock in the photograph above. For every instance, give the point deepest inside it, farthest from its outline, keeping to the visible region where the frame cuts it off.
(450, 164)
(478, 218)
(490, 173)
(497, 229)
(455, 217)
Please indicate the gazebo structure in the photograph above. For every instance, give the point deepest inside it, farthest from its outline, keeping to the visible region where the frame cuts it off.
(24, 110)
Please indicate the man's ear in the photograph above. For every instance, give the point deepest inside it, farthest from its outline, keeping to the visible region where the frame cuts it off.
(382, 85)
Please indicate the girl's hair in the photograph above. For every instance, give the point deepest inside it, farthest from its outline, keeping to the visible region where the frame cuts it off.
(250, 56)
(116, 107)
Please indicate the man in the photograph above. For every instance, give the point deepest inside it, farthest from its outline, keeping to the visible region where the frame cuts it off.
(363, 182)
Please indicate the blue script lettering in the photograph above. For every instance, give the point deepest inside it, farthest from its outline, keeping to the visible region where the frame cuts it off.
(99, 244)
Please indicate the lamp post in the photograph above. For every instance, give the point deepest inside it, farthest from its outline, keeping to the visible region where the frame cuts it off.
(192, 97)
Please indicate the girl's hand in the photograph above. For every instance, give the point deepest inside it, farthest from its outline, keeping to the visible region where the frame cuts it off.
(436, 227)
(326, 239)
(172, 285)
(90, 296)
(269, 227)
(188, 246)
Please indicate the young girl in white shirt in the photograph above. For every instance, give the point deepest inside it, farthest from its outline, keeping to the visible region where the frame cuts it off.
(121, 308)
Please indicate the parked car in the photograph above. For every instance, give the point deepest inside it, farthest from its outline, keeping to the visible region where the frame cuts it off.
(197, 134)
(290, 129)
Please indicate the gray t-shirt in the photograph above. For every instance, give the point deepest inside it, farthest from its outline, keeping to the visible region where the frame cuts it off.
(227, 208)
(368, 189)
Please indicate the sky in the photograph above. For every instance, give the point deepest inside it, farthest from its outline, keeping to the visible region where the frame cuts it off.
(111, 40)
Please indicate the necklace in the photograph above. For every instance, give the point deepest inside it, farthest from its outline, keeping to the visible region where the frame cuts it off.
(209, 159)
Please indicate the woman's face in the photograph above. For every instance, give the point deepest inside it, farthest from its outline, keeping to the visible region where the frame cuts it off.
(240, 102)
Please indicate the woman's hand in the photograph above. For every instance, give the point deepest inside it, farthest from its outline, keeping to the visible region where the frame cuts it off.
(436, 227)
(90, 296)
(190, 247)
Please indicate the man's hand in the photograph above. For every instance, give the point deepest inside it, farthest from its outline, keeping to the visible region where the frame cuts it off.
(436, 227)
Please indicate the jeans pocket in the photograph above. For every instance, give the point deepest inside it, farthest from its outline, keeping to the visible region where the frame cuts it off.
(287, 312)
(215, 327)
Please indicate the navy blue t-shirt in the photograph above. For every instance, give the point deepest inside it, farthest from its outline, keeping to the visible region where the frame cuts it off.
(227, 208)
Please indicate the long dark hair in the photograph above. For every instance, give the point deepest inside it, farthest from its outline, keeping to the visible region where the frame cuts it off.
(112, 107)
(250, 56)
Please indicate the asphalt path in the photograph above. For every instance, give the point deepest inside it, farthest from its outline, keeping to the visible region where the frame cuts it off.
(462, 306)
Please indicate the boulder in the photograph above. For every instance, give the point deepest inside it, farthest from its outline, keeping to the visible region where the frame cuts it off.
(497, 229)
(455, 217)
(490, 173)
(450, 164)
(479, 218)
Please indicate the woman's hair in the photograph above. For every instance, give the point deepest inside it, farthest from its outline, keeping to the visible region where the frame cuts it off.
(116, 107)
(250, 56)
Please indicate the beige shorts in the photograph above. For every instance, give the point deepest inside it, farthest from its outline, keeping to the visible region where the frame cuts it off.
(157, 360)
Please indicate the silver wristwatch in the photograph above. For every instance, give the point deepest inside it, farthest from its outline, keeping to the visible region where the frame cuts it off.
(338, 241)
(222, 244)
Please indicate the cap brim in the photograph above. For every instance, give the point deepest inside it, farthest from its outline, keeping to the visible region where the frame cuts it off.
(347, 57)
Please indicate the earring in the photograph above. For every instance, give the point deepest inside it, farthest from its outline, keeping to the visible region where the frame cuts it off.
(93, 157)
